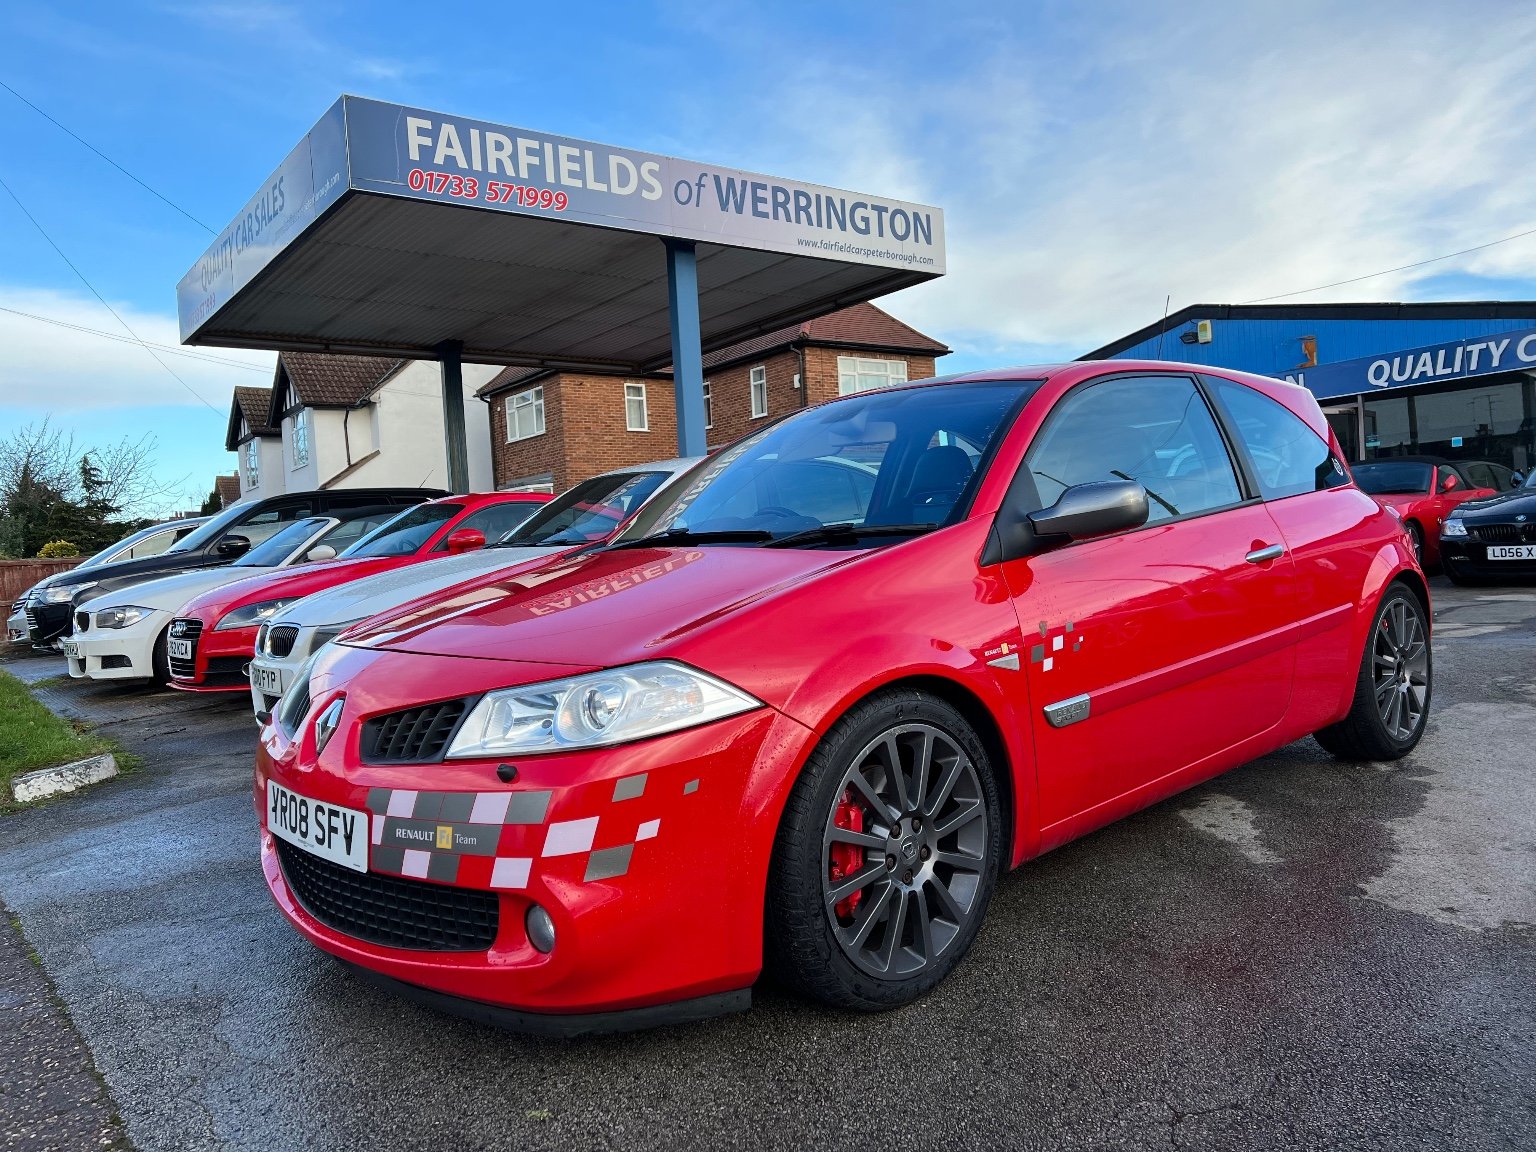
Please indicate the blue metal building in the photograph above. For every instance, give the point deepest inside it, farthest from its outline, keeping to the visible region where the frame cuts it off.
(1449, 379)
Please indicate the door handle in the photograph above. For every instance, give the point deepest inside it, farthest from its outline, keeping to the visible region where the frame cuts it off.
(1262, 555)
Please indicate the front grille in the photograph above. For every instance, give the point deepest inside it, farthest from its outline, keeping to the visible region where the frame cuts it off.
(1503, 533)
(279, 639)
(185, 667)
(415, 736)
(391, 910)
(82, 621)
(226, 672)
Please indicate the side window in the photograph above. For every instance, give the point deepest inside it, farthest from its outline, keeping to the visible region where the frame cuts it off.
(1288, 456)
(153, 545)
(492, 522)
(1153, 429)
(266, 523)
(1480, 475)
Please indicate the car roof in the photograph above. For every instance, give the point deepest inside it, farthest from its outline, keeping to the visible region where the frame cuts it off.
(1413, 460)
(674, 465)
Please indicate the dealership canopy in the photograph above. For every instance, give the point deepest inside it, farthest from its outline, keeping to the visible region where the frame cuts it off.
(401, 232)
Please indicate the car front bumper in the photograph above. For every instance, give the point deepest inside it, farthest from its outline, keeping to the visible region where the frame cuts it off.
(651, 860)
(16, 630)
(116, 653)
(1465, 557)
(218, 662)
(47, 622)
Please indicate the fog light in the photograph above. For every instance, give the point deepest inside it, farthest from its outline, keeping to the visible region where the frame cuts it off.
(541, 929)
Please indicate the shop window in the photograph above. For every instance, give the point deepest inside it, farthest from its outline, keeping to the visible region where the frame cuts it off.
(525, 414)
(759, 383)
(858, 374)
(300, 438)
(635, 414)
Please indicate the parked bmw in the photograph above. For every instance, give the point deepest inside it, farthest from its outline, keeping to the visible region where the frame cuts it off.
(600, 792)
(129, 635)
(150, 541)
(1492, 539)
(589, 512)
(219, 627)
(220, 541)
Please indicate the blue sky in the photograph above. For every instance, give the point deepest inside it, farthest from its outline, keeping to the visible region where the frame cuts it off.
(1093, 159)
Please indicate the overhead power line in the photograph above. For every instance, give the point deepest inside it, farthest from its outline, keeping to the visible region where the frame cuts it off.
(159, 195)
(137, 338)
(171, 348)
(1389, 271)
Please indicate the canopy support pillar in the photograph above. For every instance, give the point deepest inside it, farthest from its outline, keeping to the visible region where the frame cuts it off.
(687, 356)
(449, 353)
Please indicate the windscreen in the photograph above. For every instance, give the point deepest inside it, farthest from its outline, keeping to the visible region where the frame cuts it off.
(896, 462)
(1393, 477)
(275, 548)
(406, 533)
(588, 512)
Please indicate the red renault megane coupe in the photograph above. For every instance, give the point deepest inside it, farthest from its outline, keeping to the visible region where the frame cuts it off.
(812, 702)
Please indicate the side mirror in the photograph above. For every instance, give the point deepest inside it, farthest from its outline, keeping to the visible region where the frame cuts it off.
(1096, 509)
(233, 546)
(321, 552)
(465, 540)
(1449, 483)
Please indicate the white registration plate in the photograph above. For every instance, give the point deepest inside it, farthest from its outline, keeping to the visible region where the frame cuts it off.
(337, 834)
(71, 649)
(181, 649)
(268, 681)
(1512, 551)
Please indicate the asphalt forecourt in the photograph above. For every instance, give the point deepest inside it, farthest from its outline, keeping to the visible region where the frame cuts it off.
(1299, 954)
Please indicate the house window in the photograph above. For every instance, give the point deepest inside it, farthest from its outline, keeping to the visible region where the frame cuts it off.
(759, 391)
(252, 463)
(301, 438)
(856, 374)
(525, 414)
(709, 407)
(634, 408)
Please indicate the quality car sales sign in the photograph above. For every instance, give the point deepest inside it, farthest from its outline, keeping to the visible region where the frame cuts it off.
(369, 146)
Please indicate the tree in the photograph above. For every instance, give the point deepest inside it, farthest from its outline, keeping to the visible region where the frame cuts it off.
(50, 489)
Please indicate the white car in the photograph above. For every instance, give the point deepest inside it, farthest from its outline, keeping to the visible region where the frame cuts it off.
(585, 514)
(149, 541)
(124, 635)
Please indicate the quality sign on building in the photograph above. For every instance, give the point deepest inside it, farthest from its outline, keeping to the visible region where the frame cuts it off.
(1454, 360)
(373, 147)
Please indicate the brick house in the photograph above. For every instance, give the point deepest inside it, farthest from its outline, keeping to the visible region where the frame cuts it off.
(551, 429)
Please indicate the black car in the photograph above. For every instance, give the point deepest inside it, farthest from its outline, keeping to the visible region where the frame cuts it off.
(1493, 538)
(218, 541)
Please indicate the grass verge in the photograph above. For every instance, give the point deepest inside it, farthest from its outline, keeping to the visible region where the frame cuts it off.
(32, 737)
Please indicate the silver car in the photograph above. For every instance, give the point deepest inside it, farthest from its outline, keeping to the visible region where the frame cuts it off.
(589, 512)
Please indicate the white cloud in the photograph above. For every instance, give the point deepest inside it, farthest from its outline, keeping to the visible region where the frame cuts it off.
(48, 368)
(1220, 154)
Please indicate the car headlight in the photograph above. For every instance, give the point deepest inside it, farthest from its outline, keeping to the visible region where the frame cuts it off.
(122, 616)
(64, 593)
(598, 709)
(1454, 527)
(252, 614)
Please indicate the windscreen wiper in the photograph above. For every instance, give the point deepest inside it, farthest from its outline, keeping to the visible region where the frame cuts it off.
(837, 532)
(674, 537)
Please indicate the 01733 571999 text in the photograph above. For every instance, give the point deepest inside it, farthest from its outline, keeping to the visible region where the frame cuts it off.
(489, 191)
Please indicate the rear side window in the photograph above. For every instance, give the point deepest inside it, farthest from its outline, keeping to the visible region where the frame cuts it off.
(494, 521)
(1155, 430)
(1288, 457)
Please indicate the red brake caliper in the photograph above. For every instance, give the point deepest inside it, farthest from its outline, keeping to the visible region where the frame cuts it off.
(847, 859)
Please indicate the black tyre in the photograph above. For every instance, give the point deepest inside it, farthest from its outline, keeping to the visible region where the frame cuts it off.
(160, 661)
(1416, 538)
(1392, 692)
(886, 857)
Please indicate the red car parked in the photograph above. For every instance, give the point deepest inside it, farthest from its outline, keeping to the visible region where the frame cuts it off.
(221, 626)
(792, 715)
(1422, 490)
